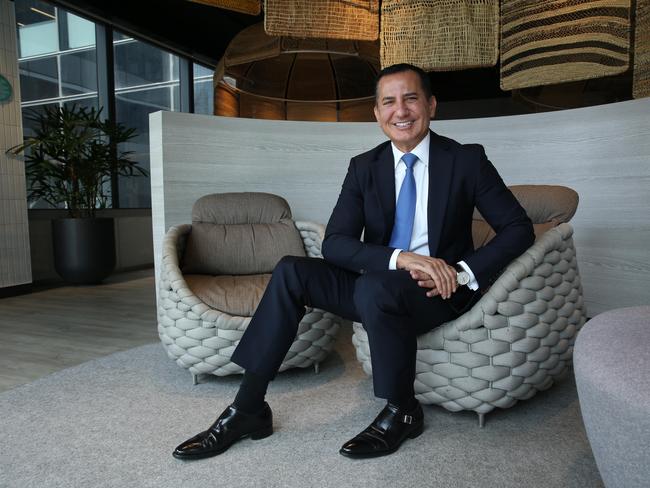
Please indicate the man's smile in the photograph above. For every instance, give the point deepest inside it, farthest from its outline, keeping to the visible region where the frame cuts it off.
(403, 125)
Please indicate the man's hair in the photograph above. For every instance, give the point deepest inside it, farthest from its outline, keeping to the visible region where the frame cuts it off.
(425, 82)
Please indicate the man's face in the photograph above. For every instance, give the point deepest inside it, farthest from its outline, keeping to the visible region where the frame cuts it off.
(402, 109)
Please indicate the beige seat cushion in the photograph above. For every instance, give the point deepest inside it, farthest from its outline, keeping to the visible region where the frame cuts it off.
(240, 249)
(482, 233)
(544, 203)
(236, 295)
(240, 233)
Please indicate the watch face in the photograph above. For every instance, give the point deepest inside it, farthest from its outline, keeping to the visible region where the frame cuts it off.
(462, 278)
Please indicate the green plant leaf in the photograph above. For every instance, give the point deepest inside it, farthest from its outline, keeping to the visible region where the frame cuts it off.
(72, 155)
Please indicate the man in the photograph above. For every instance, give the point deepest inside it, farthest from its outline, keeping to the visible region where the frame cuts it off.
(413, 199)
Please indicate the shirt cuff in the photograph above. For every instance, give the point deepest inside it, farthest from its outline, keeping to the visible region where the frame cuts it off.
(473, 284)
(392, 264)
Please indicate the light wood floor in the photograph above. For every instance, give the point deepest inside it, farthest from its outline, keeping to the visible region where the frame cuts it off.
(46, 331)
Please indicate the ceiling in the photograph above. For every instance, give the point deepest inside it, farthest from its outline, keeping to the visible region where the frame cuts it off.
(197, 31)
(202, 33)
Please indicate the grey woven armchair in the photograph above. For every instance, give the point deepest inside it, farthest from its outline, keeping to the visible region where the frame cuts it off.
(214, 273)
(518, 338)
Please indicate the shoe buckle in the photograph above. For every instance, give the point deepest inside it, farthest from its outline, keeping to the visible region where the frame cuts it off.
(407, 419)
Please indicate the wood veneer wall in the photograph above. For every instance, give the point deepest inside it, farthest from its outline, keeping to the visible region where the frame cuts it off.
(603, 152)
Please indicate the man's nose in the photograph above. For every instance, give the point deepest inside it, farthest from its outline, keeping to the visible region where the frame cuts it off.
(402, 108)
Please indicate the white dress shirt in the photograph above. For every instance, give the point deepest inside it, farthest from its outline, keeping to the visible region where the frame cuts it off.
(420, 235)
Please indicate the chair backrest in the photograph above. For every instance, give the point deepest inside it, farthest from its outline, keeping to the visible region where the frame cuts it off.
(546, 206)
(240, 233)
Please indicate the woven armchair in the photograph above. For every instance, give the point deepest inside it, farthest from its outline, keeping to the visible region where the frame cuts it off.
(214, 273)
(518, 338)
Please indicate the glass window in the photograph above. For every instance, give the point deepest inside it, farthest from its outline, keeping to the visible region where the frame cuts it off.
(39, 79)
(202, 71)
(58, 65)
(50, 74)
(88, 102)
(138, 63)
(37, 28)
(155, 73)
(203, 90)
(80, 32)
(78, 72)
(29, 113)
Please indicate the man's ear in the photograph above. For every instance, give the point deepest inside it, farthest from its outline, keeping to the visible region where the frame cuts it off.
(376, 110)
(433, 103)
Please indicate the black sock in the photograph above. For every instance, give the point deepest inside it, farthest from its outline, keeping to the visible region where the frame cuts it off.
(406, 403)
(250, 397)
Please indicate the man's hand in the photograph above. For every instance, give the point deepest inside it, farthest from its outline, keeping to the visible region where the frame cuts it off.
(432, 273)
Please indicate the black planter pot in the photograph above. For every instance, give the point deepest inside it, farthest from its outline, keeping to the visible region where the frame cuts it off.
(84, 249)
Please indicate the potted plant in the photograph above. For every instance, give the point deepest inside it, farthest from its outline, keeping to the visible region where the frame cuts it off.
(70, 160)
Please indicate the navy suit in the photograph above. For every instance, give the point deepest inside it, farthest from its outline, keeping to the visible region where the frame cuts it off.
(354, 281)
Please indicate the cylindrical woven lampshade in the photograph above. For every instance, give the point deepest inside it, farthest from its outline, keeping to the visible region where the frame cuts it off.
(544, 43)
(641, 77)
(440, 35)
(325, 19)
(251, 7)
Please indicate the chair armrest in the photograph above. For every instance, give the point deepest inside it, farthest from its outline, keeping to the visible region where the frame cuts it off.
(172, 249)
(523, 280)
(312, 236)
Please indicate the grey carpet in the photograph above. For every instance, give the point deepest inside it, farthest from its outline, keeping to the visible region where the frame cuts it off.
(114, 422)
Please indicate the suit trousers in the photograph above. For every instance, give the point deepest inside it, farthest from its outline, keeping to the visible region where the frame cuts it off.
(393, 309)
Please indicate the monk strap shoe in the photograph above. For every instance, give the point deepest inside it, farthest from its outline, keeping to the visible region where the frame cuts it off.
(387, 432)
(232, 425)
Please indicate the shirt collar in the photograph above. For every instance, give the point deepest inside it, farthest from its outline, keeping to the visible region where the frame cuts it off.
(421, 151)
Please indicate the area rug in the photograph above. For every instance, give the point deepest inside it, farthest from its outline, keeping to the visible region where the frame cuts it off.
(115, 421)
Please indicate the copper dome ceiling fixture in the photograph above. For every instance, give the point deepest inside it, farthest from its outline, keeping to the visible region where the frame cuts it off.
(282, 78)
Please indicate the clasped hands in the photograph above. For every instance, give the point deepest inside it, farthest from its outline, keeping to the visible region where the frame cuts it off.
(432, 273)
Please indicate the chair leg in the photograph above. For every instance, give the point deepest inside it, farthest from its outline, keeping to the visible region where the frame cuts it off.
(195, 378)
(481, 420)
(317, 368)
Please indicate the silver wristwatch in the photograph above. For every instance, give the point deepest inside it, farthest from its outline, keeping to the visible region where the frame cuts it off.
(462, 277)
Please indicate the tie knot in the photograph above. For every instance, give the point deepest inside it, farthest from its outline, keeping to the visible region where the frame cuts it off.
(409, 160)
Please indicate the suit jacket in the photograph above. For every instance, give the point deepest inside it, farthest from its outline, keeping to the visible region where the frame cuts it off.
(460, 178)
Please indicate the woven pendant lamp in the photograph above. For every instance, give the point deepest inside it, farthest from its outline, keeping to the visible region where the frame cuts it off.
(268, 77)
(545, 43)
(251, 7)
(641, 77)
(323, 19)
(440, 35)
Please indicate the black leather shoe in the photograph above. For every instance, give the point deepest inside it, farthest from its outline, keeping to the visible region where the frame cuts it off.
(384, 436)
(231, 426)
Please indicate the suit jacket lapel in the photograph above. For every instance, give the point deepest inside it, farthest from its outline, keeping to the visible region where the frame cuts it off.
(383, 171)
(440, 173)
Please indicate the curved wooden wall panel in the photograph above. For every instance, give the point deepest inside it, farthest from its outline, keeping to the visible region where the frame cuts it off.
(602, 152)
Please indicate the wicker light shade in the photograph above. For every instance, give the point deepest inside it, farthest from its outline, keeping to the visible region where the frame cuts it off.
(440, 35)
(641, 77)
(251, 7)
(267, 77)
(324, 19)
(544, 43)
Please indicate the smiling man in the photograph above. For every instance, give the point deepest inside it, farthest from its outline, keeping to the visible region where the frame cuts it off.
(412, 198)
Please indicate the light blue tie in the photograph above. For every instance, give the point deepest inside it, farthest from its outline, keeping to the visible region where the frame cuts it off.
(405, 210)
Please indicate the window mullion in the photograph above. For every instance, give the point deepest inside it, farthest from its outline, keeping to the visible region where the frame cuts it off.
(106, 91)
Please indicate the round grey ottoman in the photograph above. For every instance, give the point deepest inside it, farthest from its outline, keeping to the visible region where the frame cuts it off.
(612, 368)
